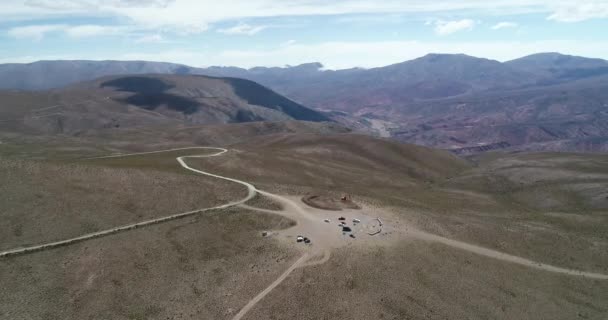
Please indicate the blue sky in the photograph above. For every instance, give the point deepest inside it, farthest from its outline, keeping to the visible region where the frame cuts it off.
(339, 34)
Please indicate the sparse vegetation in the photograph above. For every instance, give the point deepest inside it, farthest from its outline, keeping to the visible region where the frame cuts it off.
(263, 202)
(545, 207)
(46, 202)
(192, 268)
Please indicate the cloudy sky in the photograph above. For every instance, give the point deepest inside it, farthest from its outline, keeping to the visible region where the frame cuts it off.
(338, 33)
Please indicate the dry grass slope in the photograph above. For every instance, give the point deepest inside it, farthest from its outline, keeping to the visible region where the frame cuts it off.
(546, 207)
(198, 268)
(48, 202)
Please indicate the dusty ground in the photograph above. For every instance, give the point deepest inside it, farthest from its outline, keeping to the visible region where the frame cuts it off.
(329, 235)
(201, 268)
(211, 266)
(420, 280)
(45, 202)
(329, 202)
(263, 202)
(478, 204)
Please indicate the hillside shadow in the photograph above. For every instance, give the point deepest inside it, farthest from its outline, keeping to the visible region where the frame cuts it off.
(150, 93)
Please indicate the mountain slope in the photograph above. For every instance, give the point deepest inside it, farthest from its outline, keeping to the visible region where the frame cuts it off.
(543, 101)
(567, 117)
(558, 68)
(555, 61)
(44, 75)
(428, 77)
(431, 76)
(147, 100)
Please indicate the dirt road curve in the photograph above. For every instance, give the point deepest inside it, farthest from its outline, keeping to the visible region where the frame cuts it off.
(290, 205)
(504, 257)
(293, 206)
(262, 294)
(251, 193)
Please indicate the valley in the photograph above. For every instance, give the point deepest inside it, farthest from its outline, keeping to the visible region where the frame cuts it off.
(182, 196)
(303, 160)
(541, 102)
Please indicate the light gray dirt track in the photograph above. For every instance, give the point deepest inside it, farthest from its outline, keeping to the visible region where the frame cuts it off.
(251, 193)
(262, 294)
(290, 204)
(297, 212)
(503, 256)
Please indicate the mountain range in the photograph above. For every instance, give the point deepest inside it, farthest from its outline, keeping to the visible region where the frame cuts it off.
(467, 104)
(429, 77)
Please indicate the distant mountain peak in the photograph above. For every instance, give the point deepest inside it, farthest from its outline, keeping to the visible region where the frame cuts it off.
(555, 60)
(547, 54)
(447, 56)
(444, 55)
(310, 65)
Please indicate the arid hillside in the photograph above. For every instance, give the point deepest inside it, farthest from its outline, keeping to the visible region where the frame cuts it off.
(146, 101)
(451, 235)
(565, 117)
(44, 75)
(541, 102)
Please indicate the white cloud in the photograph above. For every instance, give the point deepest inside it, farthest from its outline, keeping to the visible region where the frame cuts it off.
(34, 32)
(84, 31)
(37, 32)
(196, 15)
(504, 25)
(153, 38)
(373, 19)
(579, 11)
(288, 43)
(444, 28)
(243, 29)
(63, 5)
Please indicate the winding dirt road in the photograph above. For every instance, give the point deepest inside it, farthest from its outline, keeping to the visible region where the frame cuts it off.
(251, 193)
(262, 294)
(290, 205)
(504, 256)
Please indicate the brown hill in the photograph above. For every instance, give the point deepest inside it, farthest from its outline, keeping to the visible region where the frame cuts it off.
(147, 100)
